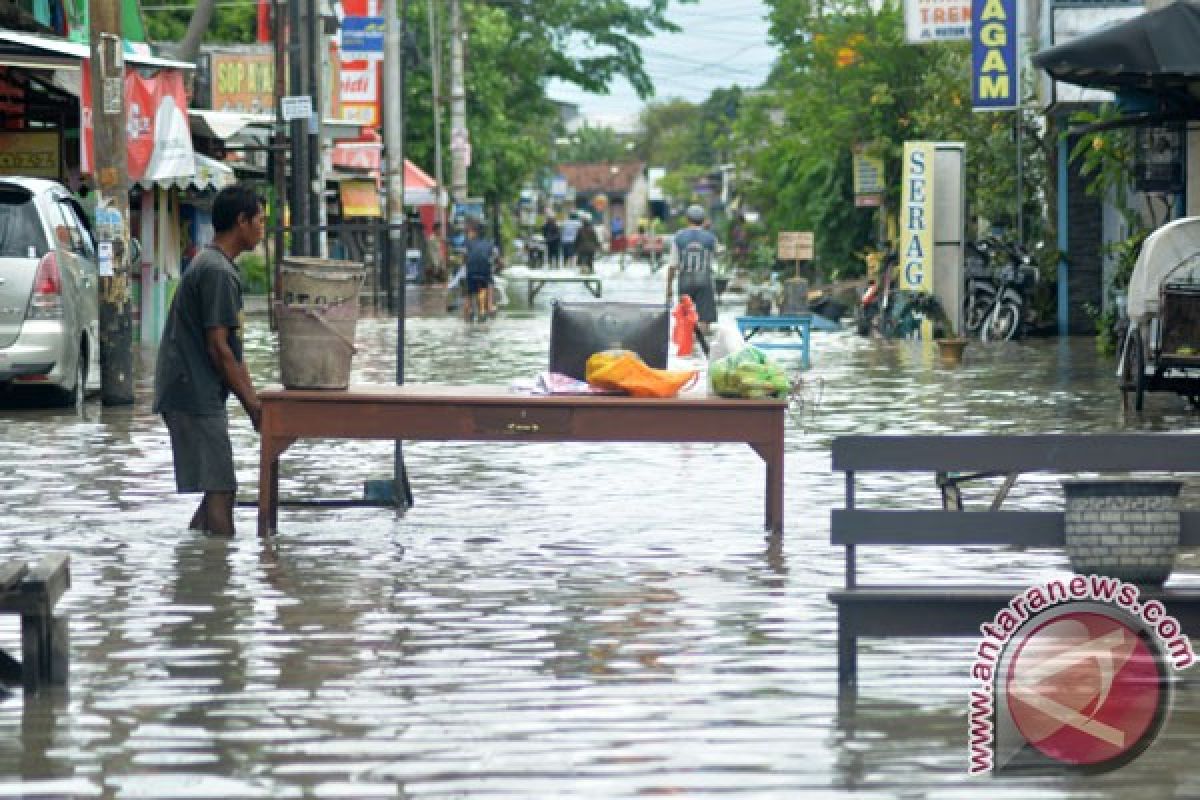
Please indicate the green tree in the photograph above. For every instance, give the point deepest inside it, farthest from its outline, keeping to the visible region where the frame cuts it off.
(844, 77)
(589, 144)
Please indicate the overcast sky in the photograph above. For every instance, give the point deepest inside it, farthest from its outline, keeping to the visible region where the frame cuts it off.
(722, 42)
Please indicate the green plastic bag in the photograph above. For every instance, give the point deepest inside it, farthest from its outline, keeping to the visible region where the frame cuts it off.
(748, 373)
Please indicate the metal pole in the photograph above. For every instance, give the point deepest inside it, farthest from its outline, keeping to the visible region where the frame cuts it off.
(279, 159)
(435, 53)
(316, 186)
(1020, 113)
(297, 60)
(393, 143)
(459, 138)
(111, 170)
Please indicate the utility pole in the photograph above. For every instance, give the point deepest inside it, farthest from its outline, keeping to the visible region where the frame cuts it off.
(278, 155)
(394, 62)
(316, 172)
(460, 140)
(435, 56)
(297, 60)
(110, 168)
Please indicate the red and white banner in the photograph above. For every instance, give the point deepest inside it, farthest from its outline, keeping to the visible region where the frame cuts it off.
(358, 81)
(159, 139)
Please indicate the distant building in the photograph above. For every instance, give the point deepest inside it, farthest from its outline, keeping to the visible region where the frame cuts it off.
(621, 184)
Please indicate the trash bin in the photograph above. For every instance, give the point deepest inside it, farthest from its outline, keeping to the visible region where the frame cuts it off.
(317, 317)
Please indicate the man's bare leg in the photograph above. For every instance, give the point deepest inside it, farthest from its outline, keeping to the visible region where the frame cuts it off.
(200, 518)
(220, 513)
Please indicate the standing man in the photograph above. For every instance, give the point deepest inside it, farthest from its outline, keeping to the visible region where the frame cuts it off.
(551, 235)
(200, 361)
(693, 253)
(569, 233)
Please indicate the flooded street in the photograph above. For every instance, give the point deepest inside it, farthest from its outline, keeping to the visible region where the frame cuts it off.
(550, 620)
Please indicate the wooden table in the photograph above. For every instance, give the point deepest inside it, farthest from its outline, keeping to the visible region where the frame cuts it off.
(494, 413)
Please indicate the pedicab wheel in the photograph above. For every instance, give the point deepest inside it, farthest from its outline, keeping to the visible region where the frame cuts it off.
(1133, 372)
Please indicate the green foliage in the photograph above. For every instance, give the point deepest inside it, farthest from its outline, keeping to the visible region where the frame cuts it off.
(846, 76)
(231, 24)
(591, 144)
(254, 273)
(687, 139)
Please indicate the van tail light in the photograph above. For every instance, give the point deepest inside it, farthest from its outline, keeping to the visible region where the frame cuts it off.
(46, 300)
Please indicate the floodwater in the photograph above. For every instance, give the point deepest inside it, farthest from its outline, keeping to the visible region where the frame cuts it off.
(567, 620)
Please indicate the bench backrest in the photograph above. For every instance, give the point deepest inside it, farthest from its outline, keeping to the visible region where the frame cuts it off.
(1056, 453)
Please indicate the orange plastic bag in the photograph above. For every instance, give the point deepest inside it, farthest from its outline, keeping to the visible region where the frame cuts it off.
(621, 369)
(685, 325)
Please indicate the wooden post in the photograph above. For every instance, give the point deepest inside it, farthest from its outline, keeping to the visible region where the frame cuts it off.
(111, 171)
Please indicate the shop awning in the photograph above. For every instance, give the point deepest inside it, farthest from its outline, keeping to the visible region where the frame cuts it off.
(208, 174)
(367, 157)
(225, 125)
(35, 51)
(1154, 51)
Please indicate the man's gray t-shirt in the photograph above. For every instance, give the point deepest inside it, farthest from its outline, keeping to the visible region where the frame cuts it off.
(696, 249)
(209, 296)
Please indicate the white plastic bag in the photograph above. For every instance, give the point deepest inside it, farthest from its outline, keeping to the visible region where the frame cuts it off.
(727, 340)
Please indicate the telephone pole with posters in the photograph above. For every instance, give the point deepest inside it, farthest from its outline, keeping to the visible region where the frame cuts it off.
(110, 169)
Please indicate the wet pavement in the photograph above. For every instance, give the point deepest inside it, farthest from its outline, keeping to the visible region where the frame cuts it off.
(567, 620)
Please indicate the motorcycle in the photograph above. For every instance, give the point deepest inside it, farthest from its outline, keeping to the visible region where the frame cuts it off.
(871, 315)
(980, 291)
(1008, 315)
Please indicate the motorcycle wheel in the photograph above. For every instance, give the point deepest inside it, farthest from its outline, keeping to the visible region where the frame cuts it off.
(1133, 372)
(1002, 325)
(975, 312)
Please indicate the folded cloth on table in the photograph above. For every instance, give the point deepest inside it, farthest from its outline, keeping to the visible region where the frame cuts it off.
(558, 383)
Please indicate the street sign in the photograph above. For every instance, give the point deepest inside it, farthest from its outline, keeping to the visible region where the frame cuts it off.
(458, 139)
(362, 37)
(296, 107)
(795, 246)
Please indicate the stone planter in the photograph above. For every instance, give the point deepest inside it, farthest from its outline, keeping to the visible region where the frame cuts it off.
(1126, 529)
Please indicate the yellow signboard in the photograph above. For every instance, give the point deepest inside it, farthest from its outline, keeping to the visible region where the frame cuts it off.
(360, 199)
(916, 218)
(32, 153)
(243, 81)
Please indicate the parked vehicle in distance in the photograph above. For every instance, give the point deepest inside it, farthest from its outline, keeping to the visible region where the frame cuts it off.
(49, 329)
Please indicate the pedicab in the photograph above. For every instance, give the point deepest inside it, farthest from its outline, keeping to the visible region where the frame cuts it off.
(1161, 348)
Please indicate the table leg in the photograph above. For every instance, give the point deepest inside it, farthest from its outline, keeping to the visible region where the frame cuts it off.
(268, 488)
(772, 453)
(531, 290)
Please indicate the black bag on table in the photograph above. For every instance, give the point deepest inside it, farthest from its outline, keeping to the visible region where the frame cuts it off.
(579, 329)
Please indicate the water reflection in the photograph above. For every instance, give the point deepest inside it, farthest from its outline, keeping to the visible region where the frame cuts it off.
(549, 620)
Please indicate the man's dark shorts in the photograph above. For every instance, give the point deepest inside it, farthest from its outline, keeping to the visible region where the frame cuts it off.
(704, 297)
(477, 281)
(203, 453)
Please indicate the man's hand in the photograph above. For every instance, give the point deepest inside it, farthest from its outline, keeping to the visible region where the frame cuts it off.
(254, 411)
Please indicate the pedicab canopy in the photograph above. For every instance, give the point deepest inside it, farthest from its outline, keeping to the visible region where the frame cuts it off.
(1169, 255)
(1156, 50)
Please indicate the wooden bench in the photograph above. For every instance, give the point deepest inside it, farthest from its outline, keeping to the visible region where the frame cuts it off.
(910, 610)
(32, 592)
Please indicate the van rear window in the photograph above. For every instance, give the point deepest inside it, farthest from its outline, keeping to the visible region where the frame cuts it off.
(20, 228)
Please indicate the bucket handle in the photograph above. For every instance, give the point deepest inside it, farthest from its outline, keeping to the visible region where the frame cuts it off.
(321, 320)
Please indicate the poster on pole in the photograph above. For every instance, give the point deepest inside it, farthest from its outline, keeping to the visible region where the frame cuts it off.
(995, 72)
(936, 20)
(868, 178)
(916, 218)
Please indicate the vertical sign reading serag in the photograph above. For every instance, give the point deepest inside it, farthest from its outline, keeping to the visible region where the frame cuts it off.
(916, 218)
(995, 73)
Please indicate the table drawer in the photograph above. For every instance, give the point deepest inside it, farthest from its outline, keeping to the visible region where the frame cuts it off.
(520, 421)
